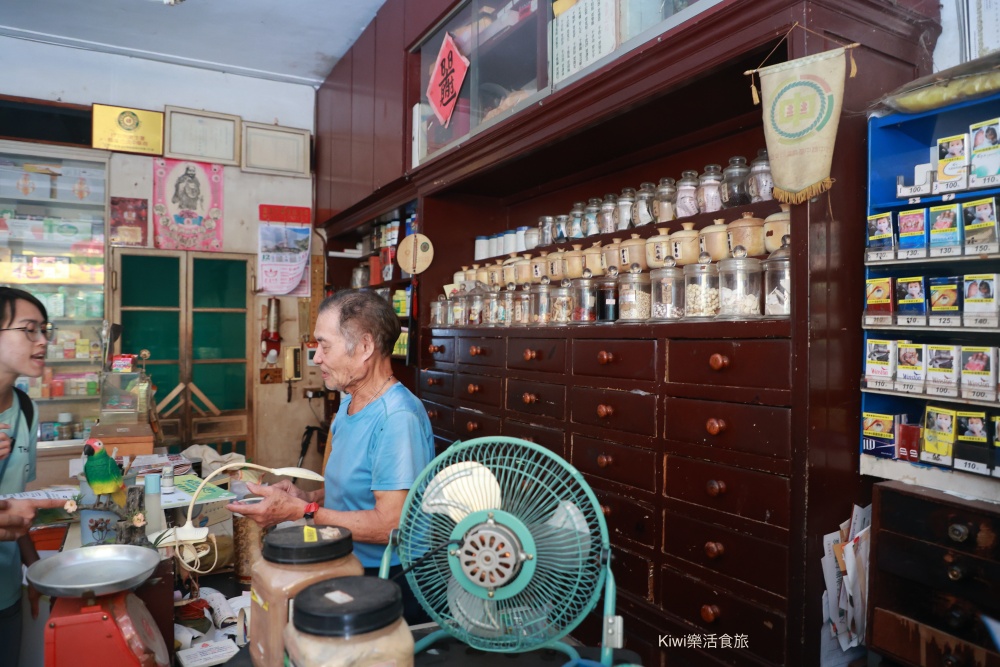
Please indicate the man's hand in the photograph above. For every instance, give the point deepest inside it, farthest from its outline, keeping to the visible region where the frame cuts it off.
(278, 505)
(16, 515)
(288, 486)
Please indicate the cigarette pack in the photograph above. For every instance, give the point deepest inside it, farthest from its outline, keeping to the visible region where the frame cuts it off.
(911, 301)
(945, 294)
(979, 373)
(972, 443)
(995, 459)
(914, 234)
(878, 435)
(980, 221)
(953, 164)
(881, 239)
(984, 161)
(942, 371)
(939, 436)
(908, 442)
(880, 363)
(980, 307)
(911, 367)
(879, 297)
(946, 230)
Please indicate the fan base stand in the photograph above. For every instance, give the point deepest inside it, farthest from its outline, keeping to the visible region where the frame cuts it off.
(560, 646)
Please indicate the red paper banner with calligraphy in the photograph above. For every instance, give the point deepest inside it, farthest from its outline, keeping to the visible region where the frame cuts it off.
(446, 80)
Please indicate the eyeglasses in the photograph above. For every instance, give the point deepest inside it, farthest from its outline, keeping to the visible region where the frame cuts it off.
(33, 331)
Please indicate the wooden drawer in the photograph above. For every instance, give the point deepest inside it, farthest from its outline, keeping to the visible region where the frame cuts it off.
(438, 383)
(479, 389)
(441, 416)
(955, 524)
(733, 363)
(759, 562)
(552, 439)
(745, 428)
(470, 424)
(633, 573)
(753, 495)
(627, 519)
(536, 398)
(621, 359)
(441, 349)
(618, 463)
(955, 573)
(903, 638)
(537, 354)
(627, 411)
(481, 351)
(719, 612)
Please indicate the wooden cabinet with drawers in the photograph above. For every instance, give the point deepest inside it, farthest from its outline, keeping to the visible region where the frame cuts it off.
(934, 570)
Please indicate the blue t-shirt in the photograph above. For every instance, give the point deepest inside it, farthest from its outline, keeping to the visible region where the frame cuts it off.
(384, 447)
(19, 471)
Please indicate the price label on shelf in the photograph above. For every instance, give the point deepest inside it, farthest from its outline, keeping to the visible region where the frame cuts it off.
(944, 321)
(881, 255)
(982, 249)
(981, 321)
(943, 390)
(884, 384)
(983, 181)
(946, 251)
(972, 466)
(948, 196)
(878, 320)
(912, 320)
(912, 253)
(913, 200)
(910, 387)
(979, 394)
(939, 459)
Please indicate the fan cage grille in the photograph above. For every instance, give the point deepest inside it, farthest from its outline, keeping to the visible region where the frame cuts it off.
(541, 490)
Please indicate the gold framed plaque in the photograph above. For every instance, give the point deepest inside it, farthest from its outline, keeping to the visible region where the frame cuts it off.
(127, 130)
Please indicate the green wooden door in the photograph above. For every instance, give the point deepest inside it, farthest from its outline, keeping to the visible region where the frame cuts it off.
(190, 310)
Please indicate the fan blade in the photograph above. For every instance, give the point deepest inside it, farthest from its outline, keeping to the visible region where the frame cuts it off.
(460, 489)
(473, 614)
(564, 537)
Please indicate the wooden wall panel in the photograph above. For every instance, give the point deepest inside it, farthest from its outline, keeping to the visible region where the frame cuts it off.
(421, 15)
(339, 166)
(390, 140)
(362, 113)
(326, 100)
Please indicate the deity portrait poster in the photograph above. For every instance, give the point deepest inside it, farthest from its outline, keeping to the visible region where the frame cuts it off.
(187, 205)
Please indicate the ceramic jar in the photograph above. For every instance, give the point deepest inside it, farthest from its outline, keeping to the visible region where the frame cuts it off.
(658, 248)
(556, 270)
(470, 274)
(633, 251)
(776, 226)
(531, 238)
(573, 262)
(508, 270)
(684, 245)
(748, 232)
(611, 255)
(593, 259)
(522, 270)
(714, 239)
(494, 273)
(482, 275)
(709, 192)
(459, 277)
(539, 266)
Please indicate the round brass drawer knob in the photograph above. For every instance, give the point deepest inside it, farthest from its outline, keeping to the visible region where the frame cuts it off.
(718, 362)
(530, 355)
(471, 426)
(605, 411)
(432, 414)
(714, 549)
(434, 381)
(604, 357)
(715, 487)
(434, 349)
(606, 510)
(710, 613)
(529, 398)
(958, 532)
(473, 388)
(604, 460)
(476, 351)
(715, 426)
(956, 573)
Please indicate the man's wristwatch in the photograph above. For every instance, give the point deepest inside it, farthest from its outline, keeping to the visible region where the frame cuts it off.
(310, 511)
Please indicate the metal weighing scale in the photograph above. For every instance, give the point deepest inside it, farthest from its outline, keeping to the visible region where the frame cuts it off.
(96, 620)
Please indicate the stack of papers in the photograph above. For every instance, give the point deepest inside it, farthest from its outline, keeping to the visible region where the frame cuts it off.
(845, 572)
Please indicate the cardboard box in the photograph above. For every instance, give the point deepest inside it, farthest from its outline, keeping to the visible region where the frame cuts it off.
(911, 367)
(939, 436)
(947, 230)
(980, 307)
(914, 233)
(984, 163)
(942, 369)
(979, 373)
(972, 445)
(130, 439)
(980, 220)
(879, 435)
(953, 164)
(911, 301)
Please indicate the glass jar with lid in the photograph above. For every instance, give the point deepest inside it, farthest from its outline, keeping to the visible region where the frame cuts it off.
(584, 299)
(593, 259)
(460, 308)
(778, 281)
(634, 295)
(556, 269)
(710, 189)
(546, 230)
(626, 201)
(360, 276)
(610, 253)
(573, 262)
(591, 217)
(506, 308)
(668, 292)
(576, 228)
(760, 183)
(740, 286)
(643, 211)
(747, 231)
(540, 304)
(658, 248)
(522, 270)
(492, 314)
(562, 303)
(701, 289)
(687, 194)
(449, 310)
(685, 244)
(520, 315)
(476, 298)
(633, 251)
(735, 187)
(561, 229)
(714, 239)
(438, 318)
(607, 220)
(665, 201)
(607, 297)
(539, 266)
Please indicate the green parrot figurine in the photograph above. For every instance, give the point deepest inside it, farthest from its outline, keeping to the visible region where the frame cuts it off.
(102, 472)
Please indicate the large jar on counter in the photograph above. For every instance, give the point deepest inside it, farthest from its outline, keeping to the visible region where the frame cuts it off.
(668, 292)
(438, 318)
(665, 201)
(493, 315)
(573, 262)
(607, 297)
(701, 289)
(584, 299)
(710, 189)
(546, 230)
(476, 298)
(687, 194)
(611, 255)
(634, 298)
(593, 259)
(747, 231)
(760, 183)
(685, 244)
(506, 313)
(740, 286)
(714, 239)
(607, 220)
(778, 281)
(626, 201)
(658, 248)
(449, 311)
(541, 304)
(591, 217)
(520, 315)
(576, 227)
(735, 190)
(539, 266)
(643, 211)
(460, 308)
(562, 303)
(633, 251)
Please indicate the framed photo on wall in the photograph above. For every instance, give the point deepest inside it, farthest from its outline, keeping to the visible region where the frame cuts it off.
(272, 149)
(204, 136)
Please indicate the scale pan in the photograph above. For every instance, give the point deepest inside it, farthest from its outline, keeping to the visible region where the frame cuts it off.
(97, 570)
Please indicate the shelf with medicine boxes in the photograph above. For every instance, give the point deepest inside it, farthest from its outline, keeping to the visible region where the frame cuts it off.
(931, 318)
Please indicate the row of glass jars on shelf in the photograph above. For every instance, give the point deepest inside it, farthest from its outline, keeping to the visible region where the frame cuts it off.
(683, 246)
(736, 288)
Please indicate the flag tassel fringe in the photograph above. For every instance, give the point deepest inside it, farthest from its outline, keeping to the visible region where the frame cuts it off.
(814, 190)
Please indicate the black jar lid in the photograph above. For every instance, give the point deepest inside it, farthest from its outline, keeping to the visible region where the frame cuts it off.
(347, 606)
(295, 545)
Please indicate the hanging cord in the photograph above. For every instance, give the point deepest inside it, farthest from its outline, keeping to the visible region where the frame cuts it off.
(427, 555)
(751, 72)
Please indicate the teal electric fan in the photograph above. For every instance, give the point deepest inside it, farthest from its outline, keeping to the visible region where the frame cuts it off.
(506, 548)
